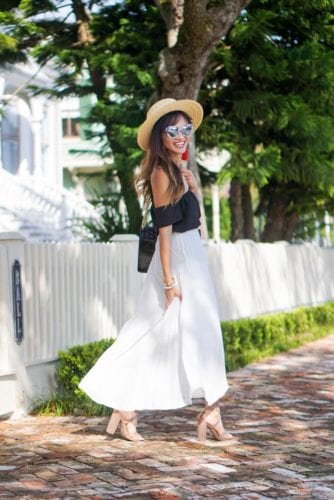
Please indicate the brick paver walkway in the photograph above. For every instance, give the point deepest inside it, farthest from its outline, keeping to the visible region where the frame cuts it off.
(281, 412)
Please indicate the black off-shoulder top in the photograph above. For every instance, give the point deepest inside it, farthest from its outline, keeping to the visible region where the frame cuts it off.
(183, 215)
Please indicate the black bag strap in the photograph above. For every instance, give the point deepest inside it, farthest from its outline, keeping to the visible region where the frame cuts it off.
(146, 210)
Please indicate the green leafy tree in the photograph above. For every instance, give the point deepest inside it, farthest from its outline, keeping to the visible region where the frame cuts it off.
(127, 54)
(270, 97)
(96, 51)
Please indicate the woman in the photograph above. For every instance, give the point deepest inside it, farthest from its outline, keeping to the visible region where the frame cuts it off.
(172, 347)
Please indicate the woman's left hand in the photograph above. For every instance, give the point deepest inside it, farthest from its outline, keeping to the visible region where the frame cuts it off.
(171, 294)
(190, 179)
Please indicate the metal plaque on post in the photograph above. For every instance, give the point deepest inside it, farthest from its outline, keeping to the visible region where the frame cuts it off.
(17, 302)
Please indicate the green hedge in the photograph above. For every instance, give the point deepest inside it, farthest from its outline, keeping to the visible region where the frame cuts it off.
(251, 339)
(73, 365)
(245, 341)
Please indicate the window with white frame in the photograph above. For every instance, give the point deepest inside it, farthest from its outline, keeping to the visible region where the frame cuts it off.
(71, 126)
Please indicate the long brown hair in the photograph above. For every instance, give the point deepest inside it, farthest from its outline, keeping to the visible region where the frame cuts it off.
(158, 155)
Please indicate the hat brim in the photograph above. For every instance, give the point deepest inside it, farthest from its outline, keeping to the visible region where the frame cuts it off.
(192, 108)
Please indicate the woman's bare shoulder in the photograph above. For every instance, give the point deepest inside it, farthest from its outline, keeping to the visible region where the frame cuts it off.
(159, 185)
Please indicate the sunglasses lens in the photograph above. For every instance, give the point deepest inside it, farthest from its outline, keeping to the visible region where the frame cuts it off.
(174, 131)
(186, 130)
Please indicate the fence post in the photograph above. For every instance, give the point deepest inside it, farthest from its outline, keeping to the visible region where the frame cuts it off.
(13, 242)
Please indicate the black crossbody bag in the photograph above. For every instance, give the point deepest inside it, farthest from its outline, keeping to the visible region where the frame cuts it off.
(147, 240)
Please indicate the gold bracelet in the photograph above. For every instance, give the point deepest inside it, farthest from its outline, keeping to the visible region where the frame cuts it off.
(171, 286)
(168, 286)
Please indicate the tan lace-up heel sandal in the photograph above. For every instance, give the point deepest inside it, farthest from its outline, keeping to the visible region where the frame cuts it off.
(128, 423)
(210, 418)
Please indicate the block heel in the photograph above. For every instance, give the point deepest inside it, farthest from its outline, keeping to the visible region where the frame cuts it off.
(210, 419)
(113, 422)
(128, 423)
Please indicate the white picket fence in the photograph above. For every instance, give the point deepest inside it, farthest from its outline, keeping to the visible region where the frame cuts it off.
(74, 293)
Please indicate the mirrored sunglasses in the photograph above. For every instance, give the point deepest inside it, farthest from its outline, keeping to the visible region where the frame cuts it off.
(173, 131)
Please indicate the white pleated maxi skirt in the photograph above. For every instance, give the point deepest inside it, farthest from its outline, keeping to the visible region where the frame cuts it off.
(163, 357)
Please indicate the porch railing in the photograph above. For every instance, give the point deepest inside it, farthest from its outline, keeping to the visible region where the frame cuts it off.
(38, 210)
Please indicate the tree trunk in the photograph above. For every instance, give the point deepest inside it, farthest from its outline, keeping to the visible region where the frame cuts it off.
(235, 202)
(290, 226)
(129, 195)
(247, 212)
(275, 223)
(196, 30)
(193, 30)
(278, 201)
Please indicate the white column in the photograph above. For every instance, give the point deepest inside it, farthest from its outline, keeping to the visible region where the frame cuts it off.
(2, 90)
(25, 138)
(37, 117)
(215, 212)
(316, 238)
(54, 161)
(327, 221)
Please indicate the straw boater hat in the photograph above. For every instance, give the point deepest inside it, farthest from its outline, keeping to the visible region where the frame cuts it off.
(161, 108)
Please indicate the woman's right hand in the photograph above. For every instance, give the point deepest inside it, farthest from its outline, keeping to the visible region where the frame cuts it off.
(171, 294)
